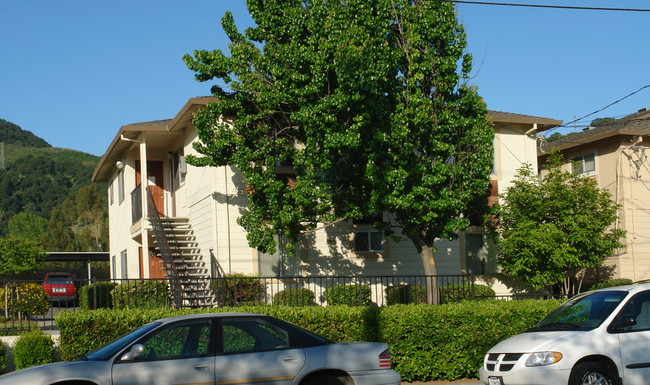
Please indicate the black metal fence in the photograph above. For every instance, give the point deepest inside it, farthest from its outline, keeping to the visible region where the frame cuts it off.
(27, 305)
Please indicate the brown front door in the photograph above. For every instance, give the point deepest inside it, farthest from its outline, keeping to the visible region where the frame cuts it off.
(155, 183)
(156, 269)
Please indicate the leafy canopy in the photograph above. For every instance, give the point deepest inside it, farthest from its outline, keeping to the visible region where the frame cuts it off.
(554, 227)
(365, 101)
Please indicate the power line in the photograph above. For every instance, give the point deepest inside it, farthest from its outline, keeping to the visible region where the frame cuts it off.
(547, 6)
(599, 110)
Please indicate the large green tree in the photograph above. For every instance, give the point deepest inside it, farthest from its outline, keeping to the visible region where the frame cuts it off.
(19, 255)
(367, 100)
(554, 227)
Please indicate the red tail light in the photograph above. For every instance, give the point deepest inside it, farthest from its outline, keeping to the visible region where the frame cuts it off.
(384, 359)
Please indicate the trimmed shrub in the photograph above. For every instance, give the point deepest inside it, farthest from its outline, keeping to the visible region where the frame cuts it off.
(33, 349)
(99, 290)
(445, 342)
(237, 289)
(295, 297)
(3, 357)
(24, 298)
(611, 283)
(464, 292)
(449, 342)
(352, 295)
(405, 294)
(141, 294)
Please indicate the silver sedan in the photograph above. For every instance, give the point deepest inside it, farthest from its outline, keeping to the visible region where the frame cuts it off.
(219, 348)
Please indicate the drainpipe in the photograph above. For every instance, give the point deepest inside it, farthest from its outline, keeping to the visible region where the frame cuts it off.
(225, 181)
(638, 140)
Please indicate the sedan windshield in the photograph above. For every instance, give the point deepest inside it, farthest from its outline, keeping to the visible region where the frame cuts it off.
(109, 350)
(583, 312)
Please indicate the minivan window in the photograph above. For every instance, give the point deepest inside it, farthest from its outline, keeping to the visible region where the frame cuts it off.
(582, 312)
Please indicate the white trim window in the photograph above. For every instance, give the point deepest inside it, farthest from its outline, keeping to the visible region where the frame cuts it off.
(123, 263)
(584, 163)
(368, 241)
(120, 186)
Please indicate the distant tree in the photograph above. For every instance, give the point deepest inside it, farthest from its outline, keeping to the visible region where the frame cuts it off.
(368, 100)
(553, 228)
(19, 255)
(60, 234)
(28, 226)
(600, 121)
(12, 133)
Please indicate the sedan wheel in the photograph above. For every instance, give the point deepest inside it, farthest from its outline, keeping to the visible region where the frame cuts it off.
(589, 373)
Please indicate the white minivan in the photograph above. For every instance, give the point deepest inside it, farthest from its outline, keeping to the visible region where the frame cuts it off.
(600, 337)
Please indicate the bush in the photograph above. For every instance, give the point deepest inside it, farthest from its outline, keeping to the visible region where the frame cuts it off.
(611, 283)
(24, 298)
(353, 295)
(405, 294)
(449, 342)
(33, 349)
(141, 294)
(295, 297)
(464, 292)
(99, 290)
(237, 289)
(3, 357)
(445, 342)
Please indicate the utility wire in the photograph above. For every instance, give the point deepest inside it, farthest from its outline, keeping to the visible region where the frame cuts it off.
(547, 6)
(597, 111)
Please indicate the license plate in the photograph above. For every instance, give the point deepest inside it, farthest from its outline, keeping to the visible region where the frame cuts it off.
(495, 381)
(59, 290)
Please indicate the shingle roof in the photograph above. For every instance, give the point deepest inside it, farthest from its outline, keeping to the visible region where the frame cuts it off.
(635, 124)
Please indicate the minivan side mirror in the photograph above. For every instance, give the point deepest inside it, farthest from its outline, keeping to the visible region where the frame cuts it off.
(624, 321)
(135, 352)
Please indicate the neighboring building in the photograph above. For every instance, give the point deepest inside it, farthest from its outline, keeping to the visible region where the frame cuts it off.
(199, 207)
(615, 155)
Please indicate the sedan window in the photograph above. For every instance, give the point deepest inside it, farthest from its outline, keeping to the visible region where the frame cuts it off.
(251, 335)
(178, 341)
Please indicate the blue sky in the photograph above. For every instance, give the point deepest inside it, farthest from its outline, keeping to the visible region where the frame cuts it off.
(74, 71)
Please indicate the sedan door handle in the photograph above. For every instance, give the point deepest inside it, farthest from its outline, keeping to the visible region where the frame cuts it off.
(201, 367)
(289, 359)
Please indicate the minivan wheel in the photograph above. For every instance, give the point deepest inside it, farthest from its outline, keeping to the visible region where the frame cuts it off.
(590, 373)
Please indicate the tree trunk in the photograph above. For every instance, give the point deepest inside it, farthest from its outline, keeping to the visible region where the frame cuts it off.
(430, 271)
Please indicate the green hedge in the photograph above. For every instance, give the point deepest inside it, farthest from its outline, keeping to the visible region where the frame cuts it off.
(611, 283)
(295, 297)
(352, 295)
(33, 349)
(141, 294)
(465, 292)
(99, 290)
(237, 289)
(405, 294)
(445, 342)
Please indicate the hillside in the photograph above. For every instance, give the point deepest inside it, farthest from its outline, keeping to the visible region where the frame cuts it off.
(38, 177)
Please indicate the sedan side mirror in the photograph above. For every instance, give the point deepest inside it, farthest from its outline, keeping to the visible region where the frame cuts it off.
(135, 352)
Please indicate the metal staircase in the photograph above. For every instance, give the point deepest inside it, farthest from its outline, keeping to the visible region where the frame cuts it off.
(176, 243)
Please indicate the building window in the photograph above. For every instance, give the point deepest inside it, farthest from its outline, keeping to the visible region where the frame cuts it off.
(120, 186)
(281, 263)
(584, 163)
(124, 264)
(480, 254)
(110, 192)
(368, 241)
(180, 168)
(113, 267)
